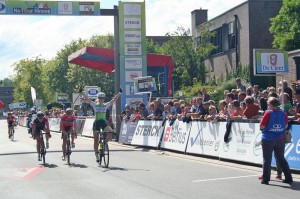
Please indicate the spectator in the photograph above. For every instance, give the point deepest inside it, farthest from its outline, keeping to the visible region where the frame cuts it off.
(200, 110)
(288, 90)
(184, 118)
(194, 105)
(287, 104)
(237, 111)
(263, 100)
(252, 109)
(135, 116)
(235, 94)
(157, 114)
(241, 97)
(256, 93)
(166, 112)
(143, 111)
(297, 97)
(151, 109)
(223, 110)
(239, 85)
(229, 99)
(249, 91)
(212, 115)
(273, 140)
(205, 96)
(160, 105)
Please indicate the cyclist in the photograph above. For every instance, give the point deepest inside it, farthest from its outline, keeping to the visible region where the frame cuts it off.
(100, 122)
(39, 124)
(10, 121)
(67, 123)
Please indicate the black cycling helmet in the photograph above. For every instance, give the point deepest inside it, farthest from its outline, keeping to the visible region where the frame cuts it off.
(40, 114)
(9, 113)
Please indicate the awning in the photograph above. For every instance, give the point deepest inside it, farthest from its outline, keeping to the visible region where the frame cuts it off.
(102, 59)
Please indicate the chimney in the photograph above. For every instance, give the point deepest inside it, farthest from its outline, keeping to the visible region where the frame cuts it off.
(198, 17)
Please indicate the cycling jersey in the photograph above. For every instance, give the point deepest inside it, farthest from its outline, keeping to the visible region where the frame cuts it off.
(68, 121)
(100, 110)
(10, 118)
(40, 125)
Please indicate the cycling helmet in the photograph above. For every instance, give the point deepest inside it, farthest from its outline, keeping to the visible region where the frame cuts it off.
(69, 111)
(9, 113)
(40, 114)
(101, 95)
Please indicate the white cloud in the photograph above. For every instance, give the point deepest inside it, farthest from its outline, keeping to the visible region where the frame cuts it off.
(29, 36)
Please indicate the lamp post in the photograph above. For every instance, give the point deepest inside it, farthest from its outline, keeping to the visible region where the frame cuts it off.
(158, 82)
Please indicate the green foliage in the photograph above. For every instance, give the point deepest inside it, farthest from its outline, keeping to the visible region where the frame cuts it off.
(286, 26)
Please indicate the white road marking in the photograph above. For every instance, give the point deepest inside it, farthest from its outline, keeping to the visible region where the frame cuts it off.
(215, 179)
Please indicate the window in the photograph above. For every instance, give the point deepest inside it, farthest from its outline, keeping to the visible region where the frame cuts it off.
(217, 41)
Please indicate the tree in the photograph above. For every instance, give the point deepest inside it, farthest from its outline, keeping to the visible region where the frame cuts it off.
(286, 26)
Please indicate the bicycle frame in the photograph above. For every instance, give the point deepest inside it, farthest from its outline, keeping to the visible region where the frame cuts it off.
(68, 147)
(42, 148)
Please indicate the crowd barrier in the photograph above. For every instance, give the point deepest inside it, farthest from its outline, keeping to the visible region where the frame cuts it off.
(207, 138)
(196, 137)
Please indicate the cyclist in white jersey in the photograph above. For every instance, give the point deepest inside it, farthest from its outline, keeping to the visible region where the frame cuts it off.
(100, 112)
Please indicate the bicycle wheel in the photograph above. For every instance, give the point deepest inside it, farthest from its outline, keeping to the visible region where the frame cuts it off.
(12, 134)
(105, 154)
(68, 152)
(43, 152)
(100, 153)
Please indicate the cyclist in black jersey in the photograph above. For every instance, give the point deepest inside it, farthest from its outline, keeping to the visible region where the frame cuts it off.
(100, 112)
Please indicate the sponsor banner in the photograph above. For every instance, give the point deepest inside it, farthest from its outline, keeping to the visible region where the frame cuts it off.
(132, 23)
(61, 97)
(133, 49)
(131, 75)
(54, 124)
(14, 7)
(64, 8)
(270, 61)
(127, 131)
(147, 133)
(205, 138)
(132, 9)
(92, 91)
(132, 36)
(244, 143)
(292, 150)
(17, 105)
(130, 89)
(176, 136)
(133, 63)
(88, 127)
(2, 7)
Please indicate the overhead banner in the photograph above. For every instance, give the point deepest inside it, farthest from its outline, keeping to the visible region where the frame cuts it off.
(49, 8)
(270, 61)
(132, 34)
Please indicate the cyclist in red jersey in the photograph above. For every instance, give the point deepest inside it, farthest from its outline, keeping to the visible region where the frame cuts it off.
(10, 121)
(67, 122)
(40, 124)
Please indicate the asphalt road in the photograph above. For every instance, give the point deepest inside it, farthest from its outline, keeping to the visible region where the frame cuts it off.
(133, 173)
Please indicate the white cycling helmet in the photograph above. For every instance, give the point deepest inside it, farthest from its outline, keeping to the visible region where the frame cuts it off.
(101, 95)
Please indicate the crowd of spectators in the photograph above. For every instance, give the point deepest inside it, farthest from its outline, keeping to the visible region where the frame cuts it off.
(240, 103)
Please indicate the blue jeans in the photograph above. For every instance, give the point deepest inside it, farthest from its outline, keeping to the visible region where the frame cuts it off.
(278, 147)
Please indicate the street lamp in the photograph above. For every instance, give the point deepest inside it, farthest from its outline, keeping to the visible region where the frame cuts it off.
(158, 82)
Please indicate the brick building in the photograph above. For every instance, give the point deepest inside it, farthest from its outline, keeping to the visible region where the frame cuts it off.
(238, 31)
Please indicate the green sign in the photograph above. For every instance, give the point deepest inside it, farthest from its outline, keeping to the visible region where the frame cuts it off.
(49, 8)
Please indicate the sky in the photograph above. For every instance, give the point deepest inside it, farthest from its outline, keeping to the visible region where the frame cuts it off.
(28, 36)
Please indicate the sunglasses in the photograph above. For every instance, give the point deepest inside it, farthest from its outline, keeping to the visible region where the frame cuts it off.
(40, 118)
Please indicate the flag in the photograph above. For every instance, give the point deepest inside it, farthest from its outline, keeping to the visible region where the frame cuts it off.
(33, 94)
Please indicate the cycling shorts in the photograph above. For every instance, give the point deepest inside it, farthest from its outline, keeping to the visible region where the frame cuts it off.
(99, 124)
(10, 124)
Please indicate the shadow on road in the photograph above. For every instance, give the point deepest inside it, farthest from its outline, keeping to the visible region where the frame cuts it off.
(78, 165)
(295, 186)
(121, 169)
(51, 166)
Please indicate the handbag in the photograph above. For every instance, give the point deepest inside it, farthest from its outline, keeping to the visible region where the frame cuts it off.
(288, 136)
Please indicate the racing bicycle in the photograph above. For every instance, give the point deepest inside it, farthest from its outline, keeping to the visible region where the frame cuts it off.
(12, 132)
(42, 147)
(103, 149)
(69, 146)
